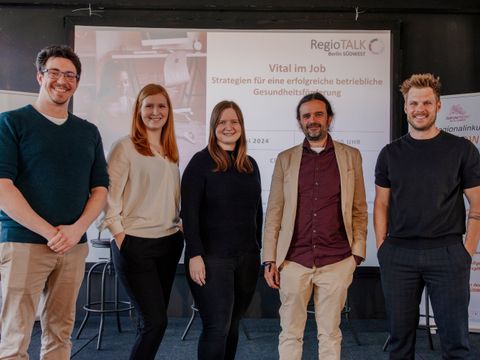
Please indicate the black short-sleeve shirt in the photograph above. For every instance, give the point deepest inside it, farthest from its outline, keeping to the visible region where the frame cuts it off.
(427, 179)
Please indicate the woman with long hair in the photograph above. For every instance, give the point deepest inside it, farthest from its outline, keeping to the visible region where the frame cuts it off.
(143, 214)
(222, 218)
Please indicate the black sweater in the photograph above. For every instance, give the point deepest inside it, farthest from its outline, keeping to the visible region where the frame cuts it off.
(221, 211)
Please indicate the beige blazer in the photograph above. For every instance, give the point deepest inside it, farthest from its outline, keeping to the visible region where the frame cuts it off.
(282, 202)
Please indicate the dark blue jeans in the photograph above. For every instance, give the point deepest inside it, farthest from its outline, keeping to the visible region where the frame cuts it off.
(222, 302)
(146, 269)
(446, 273)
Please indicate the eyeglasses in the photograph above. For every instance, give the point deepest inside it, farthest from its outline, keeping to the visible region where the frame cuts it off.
(55, 74)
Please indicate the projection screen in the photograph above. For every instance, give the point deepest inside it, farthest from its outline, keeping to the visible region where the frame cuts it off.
(265, 71)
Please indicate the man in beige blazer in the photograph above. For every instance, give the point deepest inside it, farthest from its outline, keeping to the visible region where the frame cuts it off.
(315, 230)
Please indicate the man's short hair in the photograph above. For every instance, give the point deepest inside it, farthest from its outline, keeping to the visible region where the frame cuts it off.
(421, 81)
(315, 96)
(57, 51)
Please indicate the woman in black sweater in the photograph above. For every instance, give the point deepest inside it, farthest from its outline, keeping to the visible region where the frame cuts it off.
(222, 219)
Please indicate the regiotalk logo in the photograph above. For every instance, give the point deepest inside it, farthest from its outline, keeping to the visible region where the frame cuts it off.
(376, 46)
(457, 113)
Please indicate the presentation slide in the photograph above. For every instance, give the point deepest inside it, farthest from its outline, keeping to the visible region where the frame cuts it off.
(265, 72)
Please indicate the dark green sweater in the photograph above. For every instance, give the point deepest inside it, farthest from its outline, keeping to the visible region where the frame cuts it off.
(53, 166)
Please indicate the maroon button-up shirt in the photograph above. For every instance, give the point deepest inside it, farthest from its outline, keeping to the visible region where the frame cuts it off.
(319, 236)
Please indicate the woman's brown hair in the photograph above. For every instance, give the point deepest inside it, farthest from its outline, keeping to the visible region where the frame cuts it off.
(241, 161)
(139, 131)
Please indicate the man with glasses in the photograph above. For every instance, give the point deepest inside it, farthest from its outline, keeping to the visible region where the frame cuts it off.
(53, 185)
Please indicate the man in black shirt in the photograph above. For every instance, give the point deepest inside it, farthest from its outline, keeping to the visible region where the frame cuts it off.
(419, 219)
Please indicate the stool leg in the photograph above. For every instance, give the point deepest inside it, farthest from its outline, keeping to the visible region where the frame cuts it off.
(88, 299)
(245, 331)
(427, 319)
(346, 311)
(131, 314)
(190, 322)
(385, 346)
(82, 325)
(119, 326)
(102, 308)
(353, 331)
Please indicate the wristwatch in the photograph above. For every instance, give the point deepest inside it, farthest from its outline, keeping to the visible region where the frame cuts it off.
(267, 263)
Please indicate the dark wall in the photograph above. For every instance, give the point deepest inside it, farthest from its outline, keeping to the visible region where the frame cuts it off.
(446, 45)
(442, 40)
(443, 43)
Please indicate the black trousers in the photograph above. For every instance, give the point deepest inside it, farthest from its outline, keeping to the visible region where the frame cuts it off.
(146, 268)
(446, 273)
(222, 302)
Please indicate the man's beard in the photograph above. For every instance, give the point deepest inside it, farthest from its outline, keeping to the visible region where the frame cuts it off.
(320, 135)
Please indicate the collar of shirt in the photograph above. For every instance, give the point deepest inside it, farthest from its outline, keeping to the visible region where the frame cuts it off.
(328, 145)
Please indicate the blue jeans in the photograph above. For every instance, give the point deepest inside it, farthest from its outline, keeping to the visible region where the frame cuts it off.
(446, 273)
